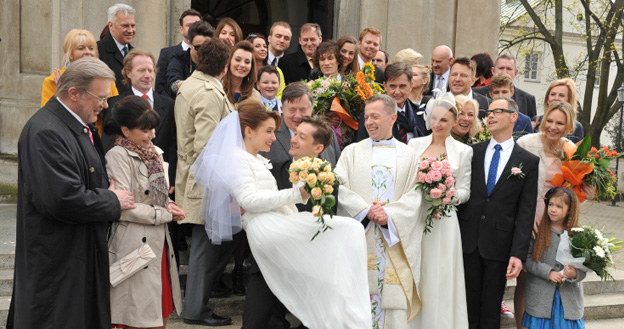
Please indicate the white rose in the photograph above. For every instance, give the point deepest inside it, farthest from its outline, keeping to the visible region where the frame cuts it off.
(599, 251)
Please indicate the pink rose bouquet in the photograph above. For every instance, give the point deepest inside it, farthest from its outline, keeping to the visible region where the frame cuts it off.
(435, 179)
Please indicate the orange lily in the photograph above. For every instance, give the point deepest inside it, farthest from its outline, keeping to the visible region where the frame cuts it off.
(572, 174)
(342, 113)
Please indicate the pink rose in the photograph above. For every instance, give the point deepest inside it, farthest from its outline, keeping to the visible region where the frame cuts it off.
(435, 193)
(450, 181)
(436, 176)
(446, 201)
(431, 159)
(428, 178)
(450, 192)
(446, 164)
(442, 187)
(326, 83)
(437, 165)
(421, 177)
(516, 171)
(423, 165)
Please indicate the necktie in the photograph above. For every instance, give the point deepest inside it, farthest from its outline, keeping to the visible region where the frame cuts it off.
(125, 50)
(440, 82)
(274, 61)
(403, 123)
(491, 179)
(90, 134)
(145, 96)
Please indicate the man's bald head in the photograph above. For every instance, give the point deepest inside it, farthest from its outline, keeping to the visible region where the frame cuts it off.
(441, 59)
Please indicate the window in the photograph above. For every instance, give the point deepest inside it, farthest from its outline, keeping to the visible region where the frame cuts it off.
(530, 67)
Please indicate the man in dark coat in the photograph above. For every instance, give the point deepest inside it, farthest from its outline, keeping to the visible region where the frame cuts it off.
(187, 18)
(116, 45)
(297, 66)
(64, 208)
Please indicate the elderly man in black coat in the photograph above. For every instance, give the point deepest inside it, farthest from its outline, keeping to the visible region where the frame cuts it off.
(64, 208)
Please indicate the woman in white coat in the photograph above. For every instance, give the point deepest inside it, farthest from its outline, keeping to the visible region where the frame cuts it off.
(442, 285)
(322, 282)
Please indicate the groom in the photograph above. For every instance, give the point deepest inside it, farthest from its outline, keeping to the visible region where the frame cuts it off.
(311, 138)
(377, 187)
(496, 222)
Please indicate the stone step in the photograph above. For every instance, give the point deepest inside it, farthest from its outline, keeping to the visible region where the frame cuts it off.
(6, 282)
(597, 307)
(592, 285)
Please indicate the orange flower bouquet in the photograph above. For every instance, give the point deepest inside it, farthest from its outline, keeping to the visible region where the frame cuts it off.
(588, 166)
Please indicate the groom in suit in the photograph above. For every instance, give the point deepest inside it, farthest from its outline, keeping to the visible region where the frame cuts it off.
(310, 139)
(497, 220)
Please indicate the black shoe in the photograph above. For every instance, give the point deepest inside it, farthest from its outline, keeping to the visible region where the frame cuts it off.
(213, 321)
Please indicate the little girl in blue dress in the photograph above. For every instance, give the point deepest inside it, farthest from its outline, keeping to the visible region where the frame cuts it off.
(554, 299)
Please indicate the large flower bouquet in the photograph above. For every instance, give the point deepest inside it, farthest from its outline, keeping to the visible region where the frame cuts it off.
(484, 134)
(587, 165)
(319, 180)
(597, 250)
(345, 99)
(435, 179)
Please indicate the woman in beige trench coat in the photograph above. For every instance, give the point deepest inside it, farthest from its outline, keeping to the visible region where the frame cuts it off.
(147, 298)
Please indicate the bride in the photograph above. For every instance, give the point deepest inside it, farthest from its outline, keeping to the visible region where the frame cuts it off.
(322, 282)
(442, 285)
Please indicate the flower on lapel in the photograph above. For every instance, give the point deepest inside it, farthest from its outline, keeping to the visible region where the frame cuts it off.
(516, 171)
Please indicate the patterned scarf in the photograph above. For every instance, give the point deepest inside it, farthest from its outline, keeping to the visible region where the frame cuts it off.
(158, 187)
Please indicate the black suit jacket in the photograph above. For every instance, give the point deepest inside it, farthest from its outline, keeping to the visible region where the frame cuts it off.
(179, 69)
(526, 101)
(164, 58)
(415, 116)
(499, 225)
(295, 67)
(110, 54)
(165, 133)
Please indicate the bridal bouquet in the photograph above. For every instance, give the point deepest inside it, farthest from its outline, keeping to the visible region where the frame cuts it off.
(597, 250)
(319, 180)
(588, 166)
(436, 180)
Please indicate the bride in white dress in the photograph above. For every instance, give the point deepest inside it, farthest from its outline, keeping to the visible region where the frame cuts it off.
(322, 282)
(442, 283)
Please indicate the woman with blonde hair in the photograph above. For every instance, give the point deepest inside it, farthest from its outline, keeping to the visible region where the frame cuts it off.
(467, 125)
(563, 90)
(407, 55)
(77, 44)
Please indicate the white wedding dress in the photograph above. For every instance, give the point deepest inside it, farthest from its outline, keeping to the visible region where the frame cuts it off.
(442, 282)
(323, 282)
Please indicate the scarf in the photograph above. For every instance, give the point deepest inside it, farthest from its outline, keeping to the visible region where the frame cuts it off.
(158, 186)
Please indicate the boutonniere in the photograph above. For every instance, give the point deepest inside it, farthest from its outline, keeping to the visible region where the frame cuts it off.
(267, 163)
(516, 171)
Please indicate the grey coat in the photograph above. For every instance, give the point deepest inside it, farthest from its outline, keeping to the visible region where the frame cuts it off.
(540, 291)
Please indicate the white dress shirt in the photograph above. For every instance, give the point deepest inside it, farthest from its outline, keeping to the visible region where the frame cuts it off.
(150, 95)
(505, 153)
(120, 46)
(441, 83)
(185, 46)
(271, 57)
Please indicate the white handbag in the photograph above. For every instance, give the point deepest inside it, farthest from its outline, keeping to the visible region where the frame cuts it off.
(128, 265)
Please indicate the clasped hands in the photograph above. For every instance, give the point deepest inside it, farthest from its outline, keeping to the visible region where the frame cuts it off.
(377, 214)
(569, 272)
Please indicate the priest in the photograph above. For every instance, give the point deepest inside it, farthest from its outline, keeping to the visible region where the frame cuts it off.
(377, 179)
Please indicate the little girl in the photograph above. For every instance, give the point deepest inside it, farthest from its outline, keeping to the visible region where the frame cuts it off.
(551, 301)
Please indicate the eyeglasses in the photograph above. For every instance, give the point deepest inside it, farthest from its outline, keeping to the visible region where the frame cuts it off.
(102, 100)
(498, 111)
(197, 47)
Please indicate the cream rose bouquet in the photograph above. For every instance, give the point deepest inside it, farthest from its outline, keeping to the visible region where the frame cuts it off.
(436, 180)
(319, 180)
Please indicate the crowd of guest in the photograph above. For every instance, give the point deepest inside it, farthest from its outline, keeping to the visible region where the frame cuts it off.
(154, 116)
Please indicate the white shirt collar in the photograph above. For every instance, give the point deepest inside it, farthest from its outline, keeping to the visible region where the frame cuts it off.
(72, 112)
(402, 109)
(470, 95)
(446, 74)
(505, 146)
(185, 46)
(120, 46)
(271, 57)
(361, 61)
(150, 94)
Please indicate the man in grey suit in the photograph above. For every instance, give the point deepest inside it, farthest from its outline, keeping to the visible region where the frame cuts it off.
(507, 64)
(297, 103)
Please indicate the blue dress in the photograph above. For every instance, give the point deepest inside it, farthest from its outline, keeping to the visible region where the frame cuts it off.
(556, 321)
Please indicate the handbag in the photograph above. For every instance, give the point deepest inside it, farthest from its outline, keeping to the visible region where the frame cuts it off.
(130, 264)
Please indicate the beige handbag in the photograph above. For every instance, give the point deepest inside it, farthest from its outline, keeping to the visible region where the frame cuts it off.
(131, 263)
